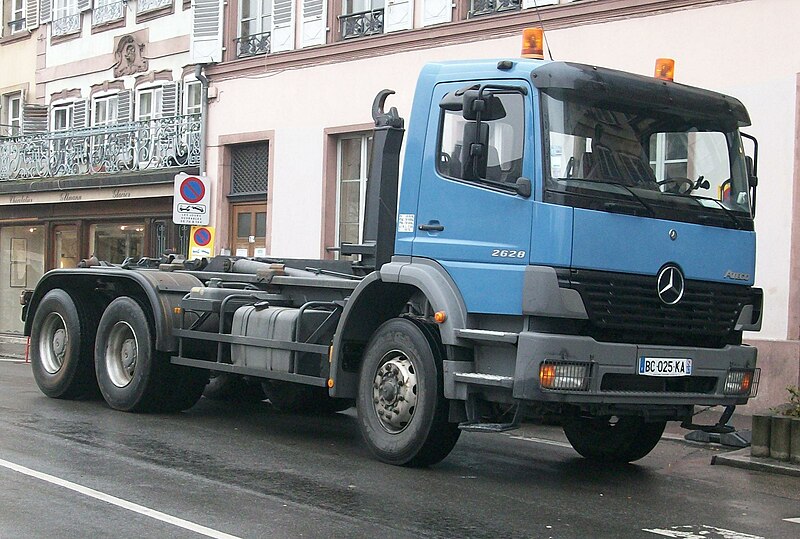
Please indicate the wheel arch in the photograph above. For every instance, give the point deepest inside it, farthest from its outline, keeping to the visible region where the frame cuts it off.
(382, 296)
(161, 291)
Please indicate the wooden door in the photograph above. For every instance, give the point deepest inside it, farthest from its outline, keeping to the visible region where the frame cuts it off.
(248, 232)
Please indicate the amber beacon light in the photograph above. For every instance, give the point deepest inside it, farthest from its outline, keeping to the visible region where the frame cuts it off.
(533, 43)
(665, 69)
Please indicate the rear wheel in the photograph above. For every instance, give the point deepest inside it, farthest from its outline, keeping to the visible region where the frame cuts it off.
(133, 376)
(613, 439)
(402, 411)
(61, 346)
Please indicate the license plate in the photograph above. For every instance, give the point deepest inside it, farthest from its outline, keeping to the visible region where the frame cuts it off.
(665, 366)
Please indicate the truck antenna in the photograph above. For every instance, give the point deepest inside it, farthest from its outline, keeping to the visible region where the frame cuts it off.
(539, 15)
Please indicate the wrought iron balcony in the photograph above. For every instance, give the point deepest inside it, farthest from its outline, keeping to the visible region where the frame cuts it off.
(150, 5)
(145, 145)
(108, 13)
(364, 23)
(16, 26)
(67, 25)
(253, 45)
(489, 7)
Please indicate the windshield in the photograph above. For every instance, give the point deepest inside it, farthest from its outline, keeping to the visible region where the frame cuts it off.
(636, 160)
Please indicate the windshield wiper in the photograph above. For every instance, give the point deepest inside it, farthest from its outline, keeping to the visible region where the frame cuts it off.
(644, 204)
(729, 213)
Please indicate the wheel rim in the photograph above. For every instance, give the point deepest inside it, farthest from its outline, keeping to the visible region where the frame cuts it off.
(53, 343)
(121, 354)
(394, 392)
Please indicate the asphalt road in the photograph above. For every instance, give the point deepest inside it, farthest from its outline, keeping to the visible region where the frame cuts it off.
(79, 469)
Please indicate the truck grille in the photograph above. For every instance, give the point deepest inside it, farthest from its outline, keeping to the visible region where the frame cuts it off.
(625, 308)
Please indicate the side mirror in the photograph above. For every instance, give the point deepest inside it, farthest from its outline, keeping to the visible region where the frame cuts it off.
(523, 187)
(751, 164)
(487, 105)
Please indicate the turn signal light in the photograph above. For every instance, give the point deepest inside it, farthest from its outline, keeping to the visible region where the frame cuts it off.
(533, 43)
(564, 375)
(439, 317)
(665, 69)
(330, 382)
(742, 382)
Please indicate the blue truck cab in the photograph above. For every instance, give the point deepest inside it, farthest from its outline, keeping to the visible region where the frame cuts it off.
(567, 240)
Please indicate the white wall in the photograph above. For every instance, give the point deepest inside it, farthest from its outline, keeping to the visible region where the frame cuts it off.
(738, 49)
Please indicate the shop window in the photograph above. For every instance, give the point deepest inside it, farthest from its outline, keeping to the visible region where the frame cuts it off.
(65, 240)
(22, 253)
(116, 242)
(255, 25)
(352, 156)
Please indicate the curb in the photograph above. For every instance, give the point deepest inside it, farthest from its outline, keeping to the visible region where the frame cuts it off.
(12, 346)
(742, 459)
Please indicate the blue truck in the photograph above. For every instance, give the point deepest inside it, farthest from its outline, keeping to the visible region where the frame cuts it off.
(567, 241)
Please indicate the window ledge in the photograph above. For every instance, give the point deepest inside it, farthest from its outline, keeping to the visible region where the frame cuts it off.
(108, 25)
(15, 38)
(155, 13)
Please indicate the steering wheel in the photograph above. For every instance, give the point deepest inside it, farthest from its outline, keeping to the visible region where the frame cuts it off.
(682, 186)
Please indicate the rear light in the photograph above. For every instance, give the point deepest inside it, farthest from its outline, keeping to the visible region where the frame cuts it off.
(564, 375)
(742, 382)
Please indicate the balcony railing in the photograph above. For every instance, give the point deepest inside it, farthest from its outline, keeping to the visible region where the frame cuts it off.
(253, 45)
(67, 25)
(108, 13)
(17, 25)
(150, 5)
(145, 145)
(364, 23)
(488, 7)
(9, 131)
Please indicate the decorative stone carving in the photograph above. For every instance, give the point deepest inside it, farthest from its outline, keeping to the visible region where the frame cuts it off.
(129, 55)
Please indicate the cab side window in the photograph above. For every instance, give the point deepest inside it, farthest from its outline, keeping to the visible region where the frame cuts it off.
(503, 140)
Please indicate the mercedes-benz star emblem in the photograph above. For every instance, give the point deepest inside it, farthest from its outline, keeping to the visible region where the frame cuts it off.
(670, 284)
(673, 234)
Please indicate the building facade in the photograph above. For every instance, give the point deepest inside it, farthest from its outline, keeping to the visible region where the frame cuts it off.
(112, 113)
(296, 82)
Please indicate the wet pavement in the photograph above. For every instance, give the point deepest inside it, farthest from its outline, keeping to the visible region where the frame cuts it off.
(79, 469)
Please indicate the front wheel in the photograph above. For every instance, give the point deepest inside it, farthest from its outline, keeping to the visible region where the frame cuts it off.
(613, 439)
(402, 410)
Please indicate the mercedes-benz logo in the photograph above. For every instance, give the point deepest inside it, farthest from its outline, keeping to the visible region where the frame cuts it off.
(670, 284)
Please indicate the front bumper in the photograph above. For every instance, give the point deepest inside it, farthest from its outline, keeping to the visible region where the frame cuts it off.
(613, 372)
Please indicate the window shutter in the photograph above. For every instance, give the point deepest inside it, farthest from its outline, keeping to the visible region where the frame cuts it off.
(169, 99)
(207, 31)
(84, 5)
(79, 114)
(34, 119)
(398, 15)
(124, 106)
(32, 14)
(315, 22)
(282, 25)
(534, 3)
(437, 12)
(45, 10)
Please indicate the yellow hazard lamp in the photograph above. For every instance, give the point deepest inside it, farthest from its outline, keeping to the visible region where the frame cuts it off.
(564, 375)
(533, 43)
(665, 69)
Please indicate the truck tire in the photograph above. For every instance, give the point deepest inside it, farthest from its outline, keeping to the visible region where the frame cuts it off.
(62, 338)
(133, 376)
(402, 411)
(606, 439)
(298, 398)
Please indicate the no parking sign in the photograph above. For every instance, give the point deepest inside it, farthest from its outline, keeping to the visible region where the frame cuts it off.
(201, 242)
(191, 200)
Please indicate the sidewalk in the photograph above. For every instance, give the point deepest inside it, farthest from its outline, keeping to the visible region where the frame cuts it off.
(12, 346)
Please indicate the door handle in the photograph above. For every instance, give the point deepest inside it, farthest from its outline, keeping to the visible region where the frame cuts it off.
(431, 228)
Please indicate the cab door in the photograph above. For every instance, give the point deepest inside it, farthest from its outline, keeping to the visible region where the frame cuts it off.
(469, 216)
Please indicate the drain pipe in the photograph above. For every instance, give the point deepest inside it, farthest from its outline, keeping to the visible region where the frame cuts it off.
(198, 74)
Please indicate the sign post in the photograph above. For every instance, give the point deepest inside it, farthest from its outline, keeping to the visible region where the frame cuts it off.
(191, 200)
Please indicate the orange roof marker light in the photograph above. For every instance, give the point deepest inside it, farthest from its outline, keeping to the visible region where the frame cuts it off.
(665, 69)
(533, 43)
